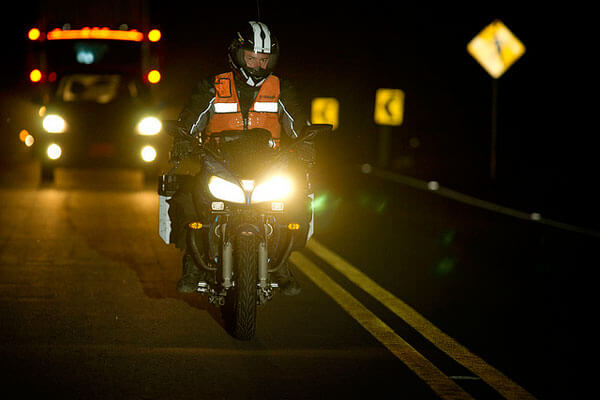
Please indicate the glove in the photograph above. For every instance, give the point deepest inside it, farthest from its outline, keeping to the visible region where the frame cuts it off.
(306, 152)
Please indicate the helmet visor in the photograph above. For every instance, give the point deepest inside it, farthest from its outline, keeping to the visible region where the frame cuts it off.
(254, 60)
(256, 64)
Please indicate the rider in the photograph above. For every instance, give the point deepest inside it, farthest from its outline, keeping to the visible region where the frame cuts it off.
(249, 96)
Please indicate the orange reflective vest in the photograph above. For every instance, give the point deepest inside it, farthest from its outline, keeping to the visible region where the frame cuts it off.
(264, 112)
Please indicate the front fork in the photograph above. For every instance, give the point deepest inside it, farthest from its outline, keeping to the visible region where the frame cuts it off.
(265, 288)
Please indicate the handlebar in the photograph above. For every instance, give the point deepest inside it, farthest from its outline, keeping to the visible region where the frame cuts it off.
(173, 129)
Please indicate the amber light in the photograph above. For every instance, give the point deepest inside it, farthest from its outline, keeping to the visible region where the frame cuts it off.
(154, 76)
(34, 34)
(95, 33)
(154, 35)
(35, 75)
(23, 135)
(195, 225)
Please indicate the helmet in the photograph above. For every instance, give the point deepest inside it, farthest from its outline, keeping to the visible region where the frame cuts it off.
(256, 38)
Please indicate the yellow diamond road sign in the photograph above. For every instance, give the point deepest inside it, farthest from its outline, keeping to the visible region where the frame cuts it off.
(496, 48)
(389, 107)
(325, 110)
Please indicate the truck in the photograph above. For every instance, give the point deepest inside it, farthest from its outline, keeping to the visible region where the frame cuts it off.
(95, 68)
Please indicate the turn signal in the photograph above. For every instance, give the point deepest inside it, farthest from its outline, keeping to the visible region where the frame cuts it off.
(293, 227)
(195, 225)
(23, 135)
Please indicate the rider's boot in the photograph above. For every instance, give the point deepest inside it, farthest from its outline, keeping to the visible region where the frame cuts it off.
(191, 276)
(287, 283)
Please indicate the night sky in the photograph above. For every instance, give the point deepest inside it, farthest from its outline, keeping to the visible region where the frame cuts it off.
(546, 136)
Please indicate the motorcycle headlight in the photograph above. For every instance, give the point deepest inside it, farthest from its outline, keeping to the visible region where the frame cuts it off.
(225, 190)
(149, 126)
(53, 123)
(275, 188)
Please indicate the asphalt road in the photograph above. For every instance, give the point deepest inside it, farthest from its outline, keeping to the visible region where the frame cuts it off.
(405, 293)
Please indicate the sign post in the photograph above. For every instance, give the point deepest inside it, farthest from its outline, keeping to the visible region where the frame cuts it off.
(496, 49)
(389, 111)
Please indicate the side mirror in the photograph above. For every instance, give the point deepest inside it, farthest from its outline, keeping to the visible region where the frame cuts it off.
(307, 133)
(173, 129)
(310, 131)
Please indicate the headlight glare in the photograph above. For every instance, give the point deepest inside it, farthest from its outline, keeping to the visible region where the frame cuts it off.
(275, 188)
(225, 190)
(148, 153)
(53, 123)
(149, 126)
(54, 151)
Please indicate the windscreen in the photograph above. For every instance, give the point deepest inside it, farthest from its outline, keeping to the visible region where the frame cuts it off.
(100, 89)
(100, 55)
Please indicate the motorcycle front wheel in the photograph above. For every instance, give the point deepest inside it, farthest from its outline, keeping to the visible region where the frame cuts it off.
(241, 301)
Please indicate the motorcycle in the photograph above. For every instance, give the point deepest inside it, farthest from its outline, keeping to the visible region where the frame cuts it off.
(253, 200)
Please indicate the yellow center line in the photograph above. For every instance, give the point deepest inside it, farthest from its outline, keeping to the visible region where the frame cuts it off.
(496, 379)
(443, 386)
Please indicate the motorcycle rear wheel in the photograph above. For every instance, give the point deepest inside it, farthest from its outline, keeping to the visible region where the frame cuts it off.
(242, 299)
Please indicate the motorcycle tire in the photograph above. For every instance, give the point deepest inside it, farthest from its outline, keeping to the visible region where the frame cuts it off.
(243, 297)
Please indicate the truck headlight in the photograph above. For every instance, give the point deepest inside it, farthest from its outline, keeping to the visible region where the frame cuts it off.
(225, 190)
(54, 123)
(148, 153)
(149, 126)
(54, 151)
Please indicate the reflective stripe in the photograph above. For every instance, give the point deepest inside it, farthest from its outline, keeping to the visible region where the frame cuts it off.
(261, 45)
(195, 126)
(264, 106)
(226, 107)
(292, 131)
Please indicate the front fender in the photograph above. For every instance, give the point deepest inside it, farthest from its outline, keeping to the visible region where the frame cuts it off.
(244, 228)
